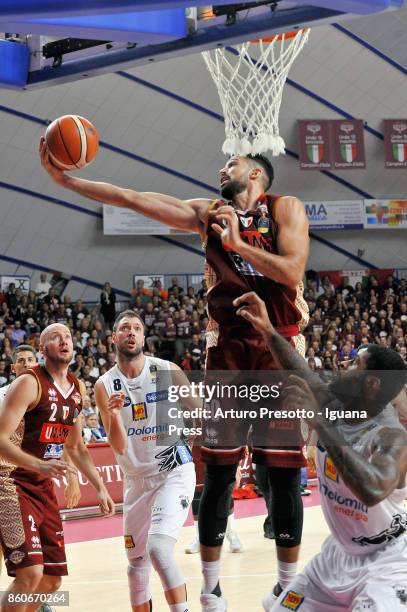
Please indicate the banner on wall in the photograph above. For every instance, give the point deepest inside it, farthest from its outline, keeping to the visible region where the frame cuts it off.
(21, 282)
(385, 214)
(395, 143)
(149, 280)
(314, 144)
(355, 276)
(329, 215)
(107, 466)
(121, 221)
(348, 143)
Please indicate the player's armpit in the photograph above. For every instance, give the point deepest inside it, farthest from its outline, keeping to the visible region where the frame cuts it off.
(189, 398)
(112, 423)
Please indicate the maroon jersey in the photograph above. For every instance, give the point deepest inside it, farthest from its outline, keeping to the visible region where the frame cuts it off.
(48, 423)
(228, 275)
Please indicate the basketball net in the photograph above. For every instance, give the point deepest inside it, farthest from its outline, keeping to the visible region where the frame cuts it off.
(250, 90)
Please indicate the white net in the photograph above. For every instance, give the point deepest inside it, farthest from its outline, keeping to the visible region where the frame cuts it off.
(250, 90)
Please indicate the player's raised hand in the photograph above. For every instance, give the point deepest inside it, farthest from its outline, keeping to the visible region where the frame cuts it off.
(55, 173)
(115, 403)
(298, 395)
(253, 309)
(229, 232)
(106, 504)
(54, 468)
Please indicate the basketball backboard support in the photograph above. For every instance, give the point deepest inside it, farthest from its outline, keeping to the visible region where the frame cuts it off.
(127, 33)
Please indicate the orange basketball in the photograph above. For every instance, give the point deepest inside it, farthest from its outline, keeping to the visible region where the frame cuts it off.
(72, 142)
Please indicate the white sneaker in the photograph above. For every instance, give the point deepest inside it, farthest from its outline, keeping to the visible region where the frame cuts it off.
(213, 603)
(270, 599)
(268, 602)
(235, 545)
(193, 548)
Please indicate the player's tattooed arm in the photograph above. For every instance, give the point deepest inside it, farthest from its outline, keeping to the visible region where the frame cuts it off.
(370, 480)
(373, 480)
(254, 310)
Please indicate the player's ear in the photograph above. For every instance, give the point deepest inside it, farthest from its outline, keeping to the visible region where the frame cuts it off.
(254, 173)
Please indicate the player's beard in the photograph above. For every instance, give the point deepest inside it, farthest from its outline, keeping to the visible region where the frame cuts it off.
(130, 354)
(58, 359)
(231, 189)
(348, 388)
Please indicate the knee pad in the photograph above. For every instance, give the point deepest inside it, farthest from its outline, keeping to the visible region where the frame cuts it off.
(215, 503)
(138, 574)
(195, 502)
(161, 551)
(286, 507)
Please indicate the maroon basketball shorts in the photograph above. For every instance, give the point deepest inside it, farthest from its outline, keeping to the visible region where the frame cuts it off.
(275, 442)
(30, 527)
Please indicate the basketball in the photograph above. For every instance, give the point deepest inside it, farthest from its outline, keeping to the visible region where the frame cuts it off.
(72, 142)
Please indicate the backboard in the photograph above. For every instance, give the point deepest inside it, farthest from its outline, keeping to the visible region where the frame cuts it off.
(53, 42)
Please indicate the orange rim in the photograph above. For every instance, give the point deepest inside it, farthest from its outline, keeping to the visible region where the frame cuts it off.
(287, 36)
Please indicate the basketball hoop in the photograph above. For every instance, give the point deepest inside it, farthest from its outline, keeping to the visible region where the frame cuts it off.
(250, 90)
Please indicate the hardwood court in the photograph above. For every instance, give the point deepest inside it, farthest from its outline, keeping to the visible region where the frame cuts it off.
(97, 578)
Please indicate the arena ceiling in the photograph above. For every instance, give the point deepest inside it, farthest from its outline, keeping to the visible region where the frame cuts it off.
(161, 130)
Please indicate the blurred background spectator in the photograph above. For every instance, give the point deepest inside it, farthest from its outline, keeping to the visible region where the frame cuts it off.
(342, 319)
(108, 304)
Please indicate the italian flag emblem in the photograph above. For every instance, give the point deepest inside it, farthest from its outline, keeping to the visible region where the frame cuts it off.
(315, 153)
(400, 152)
(348, 152)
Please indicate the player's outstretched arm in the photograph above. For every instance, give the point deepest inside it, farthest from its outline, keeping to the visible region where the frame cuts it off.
(188, 215)
(21, 396)
(110, 411)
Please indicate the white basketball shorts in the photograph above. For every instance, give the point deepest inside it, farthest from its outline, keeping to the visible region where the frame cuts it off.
(156, 505)
(336, 581)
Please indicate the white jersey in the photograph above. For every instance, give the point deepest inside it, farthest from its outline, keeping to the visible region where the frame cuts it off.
(3, 391)
(359, 529)
(150, 447)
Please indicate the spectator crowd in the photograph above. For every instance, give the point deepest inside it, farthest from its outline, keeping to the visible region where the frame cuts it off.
(343, 318)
